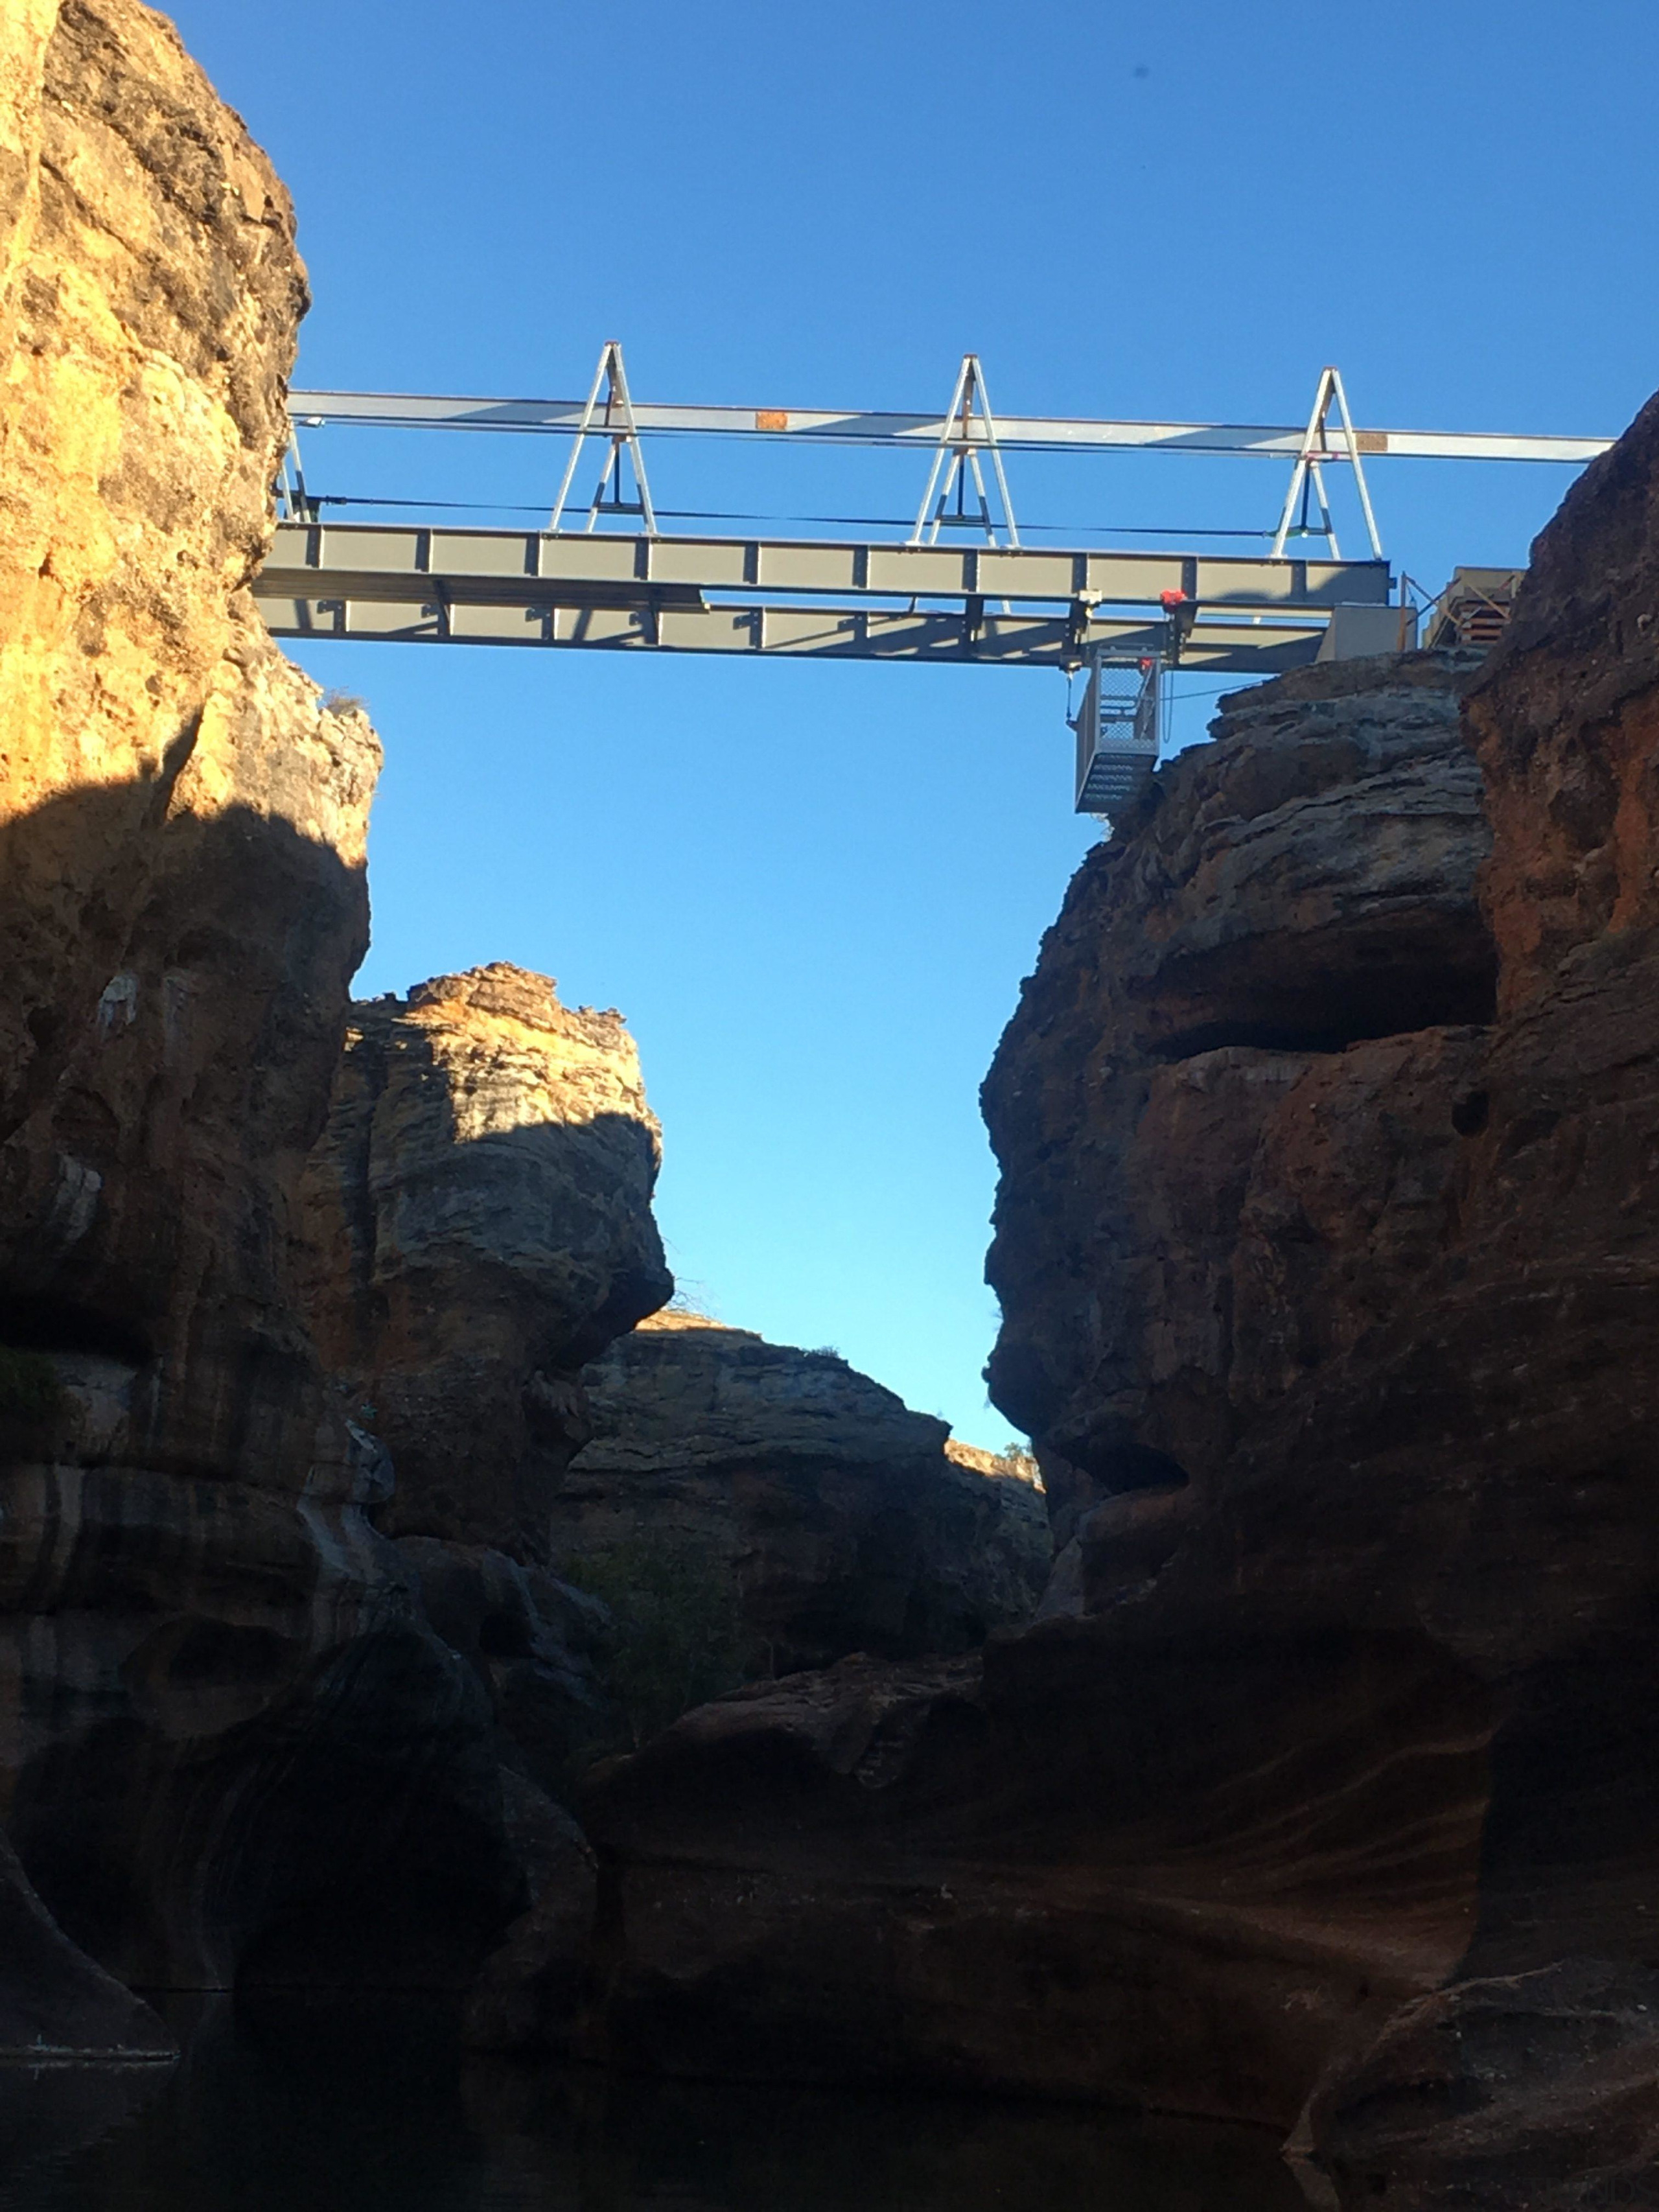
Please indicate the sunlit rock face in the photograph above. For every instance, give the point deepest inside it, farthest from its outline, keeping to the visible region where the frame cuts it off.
(222, 1716)
(846, 1521)
(1326, 1251)
(176, 809)
(480, 1221)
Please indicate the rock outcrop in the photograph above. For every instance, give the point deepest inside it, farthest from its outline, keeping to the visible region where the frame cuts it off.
(1169, 1859)
(1241, 969)
(848, 1522)
(1325, 1245)
(479, 1216)
(230, 1744)
(1535, 2089)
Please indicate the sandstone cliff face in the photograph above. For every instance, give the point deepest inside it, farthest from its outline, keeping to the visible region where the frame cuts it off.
(165, 779)
(479, 1217)
(1174, 1862)
(848, 1522)
(223, 1719)
(477, 1226)
(1325, 1248)
(1238, 969)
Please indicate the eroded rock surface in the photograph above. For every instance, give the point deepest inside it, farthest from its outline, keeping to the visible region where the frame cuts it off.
(1299, 898)
(229, 1742)
(1538, 2089)
(1330, 1286)
(850, 1522)
(480, 1220)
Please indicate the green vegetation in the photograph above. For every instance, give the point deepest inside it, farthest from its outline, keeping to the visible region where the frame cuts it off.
(29, 1388)
(1017, 1459)
(677, 1634)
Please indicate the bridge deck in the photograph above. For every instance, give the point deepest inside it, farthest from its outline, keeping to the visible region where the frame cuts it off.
(1013, 606)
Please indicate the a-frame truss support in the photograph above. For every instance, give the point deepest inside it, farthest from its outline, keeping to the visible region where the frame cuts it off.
(613, 418)
(1308, 480)
(970, 429)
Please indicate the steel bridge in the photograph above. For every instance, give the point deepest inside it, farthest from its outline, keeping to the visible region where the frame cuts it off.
(609, 576)
(422, 583)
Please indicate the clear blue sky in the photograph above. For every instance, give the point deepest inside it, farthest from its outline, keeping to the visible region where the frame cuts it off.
(813, 891)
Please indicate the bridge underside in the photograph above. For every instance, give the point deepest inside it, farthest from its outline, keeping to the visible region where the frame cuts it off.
(1004, 605)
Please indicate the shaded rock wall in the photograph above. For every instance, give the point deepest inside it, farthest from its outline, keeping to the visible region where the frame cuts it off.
(1538, 2089)
(1299, 897)
(229, 1742)
(55, 2005)
(1325, 1253)
(479, 1225)
(850, 1522)
(1175, 1859)
(1047, 1869)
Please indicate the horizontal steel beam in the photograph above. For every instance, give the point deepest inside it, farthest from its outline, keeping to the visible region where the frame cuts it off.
(362, 560)
(1234, 648)
(1273, 441)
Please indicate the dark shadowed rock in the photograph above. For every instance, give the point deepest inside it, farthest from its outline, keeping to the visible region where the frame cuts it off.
(850, 1522)
(1048, 1870)
(1325, 1246)
(1537, 2090)
(529, 1990)
(529, 1639)
(55, 2004)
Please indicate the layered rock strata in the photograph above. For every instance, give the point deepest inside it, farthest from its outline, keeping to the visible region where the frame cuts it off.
(1290, 937)
(1325, 1249)
(229, 1742)
(477, 1226)
(1173, 1859)
(480, 1227)
(846, 1521)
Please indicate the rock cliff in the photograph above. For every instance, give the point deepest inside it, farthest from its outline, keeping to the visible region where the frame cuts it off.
(479, 1218)
(229, 1742)
(848, 1522)
(1167, 1857)
(1326, 1253)
(477, 1226)
(1216, 1014)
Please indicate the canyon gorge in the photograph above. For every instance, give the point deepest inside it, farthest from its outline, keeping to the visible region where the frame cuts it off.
(398, 1591)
